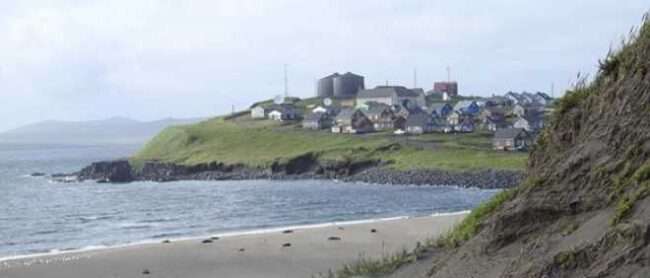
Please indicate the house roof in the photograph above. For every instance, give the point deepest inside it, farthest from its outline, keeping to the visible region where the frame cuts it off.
(387, 91)
(495, 110)
(349, 74)
(509, 133)
(418, 91)
(438, 107)
(418, 119)
(283, 108)
(463, 104)
(376, 109)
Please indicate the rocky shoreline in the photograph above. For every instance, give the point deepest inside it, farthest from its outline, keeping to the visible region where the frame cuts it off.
(304, 167)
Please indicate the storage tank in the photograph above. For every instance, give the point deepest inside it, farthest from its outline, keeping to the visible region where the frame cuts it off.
(347, 85)
(325, 86)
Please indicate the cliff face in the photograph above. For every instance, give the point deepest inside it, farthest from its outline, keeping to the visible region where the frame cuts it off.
(582, 211)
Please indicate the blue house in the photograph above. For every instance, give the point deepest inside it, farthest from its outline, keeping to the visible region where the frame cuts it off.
(467, 107)
(440, 110)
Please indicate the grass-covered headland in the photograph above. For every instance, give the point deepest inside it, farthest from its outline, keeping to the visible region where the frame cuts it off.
(259, 143)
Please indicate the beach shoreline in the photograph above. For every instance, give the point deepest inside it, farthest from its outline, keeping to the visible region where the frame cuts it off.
(298, 251)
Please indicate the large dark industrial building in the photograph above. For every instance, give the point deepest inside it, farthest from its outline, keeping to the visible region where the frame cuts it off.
(326, 86)
(340, 86)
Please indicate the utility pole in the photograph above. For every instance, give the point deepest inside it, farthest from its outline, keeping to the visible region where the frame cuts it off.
(286, 82)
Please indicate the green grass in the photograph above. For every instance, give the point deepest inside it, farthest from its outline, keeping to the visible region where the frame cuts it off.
(254, 143)
(456, 159)
(639, 180)
(258, 143)
(368, 267)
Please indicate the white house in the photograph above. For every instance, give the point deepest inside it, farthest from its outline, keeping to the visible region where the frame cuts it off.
(258, 112)
(390, 95)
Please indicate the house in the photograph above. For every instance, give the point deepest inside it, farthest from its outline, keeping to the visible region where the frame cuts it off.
(440, 110)
(319, 109)
(317, 121)
(399, 122)
(492, 113)
(258, 112)
(498, 101)
(454, 118)
(381, 116)
(465, 126)
(512, 97)
(511, 139)
(283, 112)
(467, 107)
(522, 123)
(493, 125)
(543, 98)
(519, 110)
(531, 121)
(329, 110)
(418, 123)
(352, 121)
(391, 95)
(450, 88)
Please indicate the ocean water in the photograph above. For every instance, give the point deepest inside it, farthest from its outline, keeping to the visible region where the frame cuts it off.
(39, 216)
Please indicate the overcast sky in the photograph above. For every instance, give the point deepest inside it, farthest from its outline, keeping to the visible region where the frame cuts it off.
(145, 59)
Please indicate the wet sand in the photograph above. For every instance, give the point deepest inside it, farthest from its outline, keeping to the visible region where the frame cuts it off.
(299, 253)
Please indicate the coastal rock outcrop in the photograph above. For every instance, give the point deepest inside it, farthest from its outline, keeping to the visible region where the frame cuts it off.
(108, 171)
(306, 166)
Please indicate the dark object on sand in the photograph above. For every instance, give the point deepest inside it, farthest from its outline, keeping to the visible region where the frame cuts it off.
(146, 272)
(166, 241)
(333, 238)
(214, 238)
(207, 241)
(242, 249)
(340, 228)
(287, 231)
(286, 245)
(37, 174)
(373, 230)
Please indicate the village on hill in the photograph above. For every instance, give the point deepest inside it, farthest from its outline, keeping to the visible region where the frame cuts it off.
(343, 105)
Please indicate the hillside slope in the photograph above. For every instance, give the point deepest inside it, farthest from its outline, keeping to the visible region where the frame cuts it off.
(109, 131)
(260, 143)
(583, 210)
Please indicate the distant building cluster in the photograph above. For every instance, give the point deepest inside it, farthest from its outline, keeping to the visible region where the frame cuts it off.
(344, 105)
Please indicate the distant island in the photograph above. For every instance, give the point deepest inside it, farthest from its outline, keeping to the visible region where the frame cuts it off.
(115, 130)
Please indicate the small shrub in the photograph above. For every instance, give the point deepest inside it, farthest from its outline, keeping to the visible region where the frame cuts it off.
(566, 259)
(573, 98)
(623, 209)
(643, 173)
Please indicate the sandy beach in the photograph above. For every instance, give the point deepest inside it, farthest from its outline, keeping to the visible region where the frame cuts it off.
(267, 254)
